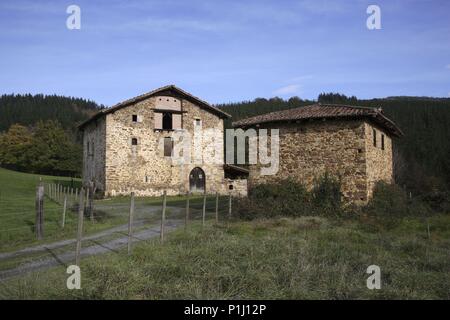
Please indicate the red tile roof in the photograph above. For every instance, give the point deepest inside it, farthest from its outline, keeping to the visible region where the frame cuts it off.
(323, 111)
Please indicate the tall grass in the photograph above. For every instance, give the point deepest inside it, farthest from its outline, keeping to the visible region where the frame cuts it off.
(279, 258)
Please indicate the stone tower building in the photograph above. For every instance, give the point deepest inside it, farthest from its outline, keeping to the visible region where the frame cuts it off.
(130, 146)
(353, 143)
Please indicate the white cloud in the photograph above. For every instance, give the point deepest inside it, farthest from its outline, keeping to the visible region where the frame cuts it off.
(288, 90)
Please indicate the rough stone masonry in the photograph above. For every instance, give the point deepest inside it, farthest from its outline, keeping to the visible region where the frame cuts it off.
(123, 150)
(351, 143)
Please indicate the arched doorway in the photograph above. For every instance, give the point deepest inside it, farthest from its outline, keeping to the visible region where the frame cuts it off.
(197, 180)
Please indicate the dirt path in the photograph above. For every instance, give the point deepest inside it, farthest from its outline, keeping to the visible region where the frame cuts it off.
(68, 257)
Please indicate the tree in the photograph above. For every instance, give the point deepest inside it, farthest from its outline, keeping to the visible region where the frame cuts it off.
(14, 145)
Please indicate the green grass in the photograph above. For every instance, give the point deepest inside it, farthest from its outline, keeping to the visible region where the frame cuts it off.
(17, 208)
(17, 211)
(280, 258)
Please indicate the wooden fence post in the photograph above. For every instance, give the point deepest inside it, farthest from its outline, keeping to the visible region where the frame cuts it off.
(186, 220)
(217, 207)
(86, 204)
(163, 216)
(71, 195)
(130, 222)
(76, 195)
(91, 201)
(80, 228)
(64, 211)
(229, 207)
(39, 223)
(204, 210)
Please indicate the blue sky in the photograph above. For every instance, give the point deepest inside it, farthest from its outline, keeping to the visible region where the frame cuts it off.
(225, 51)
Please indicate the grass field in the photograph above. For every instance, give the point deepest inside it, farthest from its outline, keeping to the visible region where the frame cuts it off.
(280, 258)
(302, 258)
(17, 208)
(17, 211)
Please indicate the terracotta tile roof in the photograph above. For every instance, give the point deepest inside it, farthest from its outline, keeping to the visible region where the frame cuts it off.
(323, 111)
(169, 88)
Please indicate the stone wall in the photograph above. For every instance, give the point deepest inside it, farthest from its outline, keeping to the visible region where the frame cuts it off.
(94, 153)
(309, 149)
(119, 167)
(345, 149)
(379, 161)
(236, 187)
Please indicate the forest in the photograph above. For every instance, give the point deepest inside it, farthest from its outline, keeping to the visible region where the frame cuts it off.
(38, 133)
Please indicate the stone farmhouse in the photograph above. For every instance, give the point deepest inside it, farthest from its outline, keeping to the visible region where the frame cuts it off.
(352, 143)
(129, 147)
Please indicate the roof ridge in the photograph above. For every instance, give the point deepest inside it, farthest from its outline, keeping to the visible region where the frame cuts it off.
(148, 94)
(319, 110)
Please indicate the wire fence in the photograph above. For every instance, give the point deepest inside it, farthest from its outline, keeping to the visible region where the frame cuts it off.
(60, 213)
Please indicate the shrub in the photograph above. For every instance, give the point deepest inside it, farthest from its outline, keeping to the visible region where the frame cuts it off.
(291, 198)
(281, 198)
(326, 194)
(438, 200)
(389, 205)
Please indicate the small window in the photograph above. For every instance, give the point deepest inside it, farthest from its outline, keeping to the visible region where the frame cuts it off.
(374, 132)
(168, 147)
(167, 121)
(134, 142)
(198, 122)
(382, 142)
(134, 118)
(230, 187)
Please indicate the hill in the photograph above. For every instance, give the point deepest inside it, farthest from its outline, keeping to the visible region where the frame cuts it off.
(29, 109)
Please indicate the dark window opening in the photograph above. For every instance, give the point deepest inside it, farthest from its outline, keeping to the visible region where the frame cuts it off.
(134, 142)
(134, 118)
(374, 137)
(167, 121)
(168, 147)
(359, 150)
(230, 187)
(382, 142)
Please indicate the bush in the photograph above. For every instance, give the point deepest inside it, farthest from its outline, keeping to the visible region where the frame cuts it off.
(282, 198)
(326, 194)
(438, 200)
(291, 198)
(389, 205)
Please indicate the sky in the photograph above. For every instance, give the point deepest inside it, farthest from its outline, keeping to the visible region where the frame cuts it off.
(225, 51)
